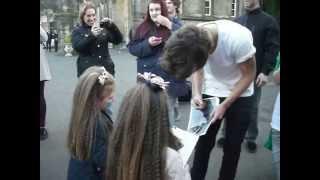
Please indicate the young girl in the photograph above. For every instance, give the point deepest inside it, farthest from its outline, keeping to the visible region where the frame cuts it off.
(90, 126)
(142, 146)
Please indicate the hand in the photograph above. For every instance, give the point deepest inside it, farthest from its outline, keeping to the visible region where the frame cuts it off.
(198, 102)
(154, 41)
(163, 21)
(106, 19)
(219, 112)
(96, 30)
(261, 80)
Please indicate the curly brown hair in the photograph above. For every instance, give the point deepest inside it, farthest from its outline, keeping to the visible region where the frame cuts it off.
(137, 147)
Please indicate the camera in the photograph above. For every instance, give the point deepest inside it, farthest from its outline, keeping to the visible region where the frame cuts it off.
(105, 24)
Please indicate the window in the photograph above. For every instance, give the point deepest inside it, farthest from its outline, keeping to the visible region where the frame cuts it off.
(234, 8)
(207, 7)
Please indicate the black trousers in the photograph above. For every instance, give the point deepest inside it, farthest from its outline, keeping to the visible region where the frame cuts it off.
(237, 119)
(42, 105)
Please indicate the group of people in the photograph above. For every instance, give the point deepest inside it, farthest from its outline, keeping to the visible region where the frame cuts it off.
(223, 58)
(51, 40)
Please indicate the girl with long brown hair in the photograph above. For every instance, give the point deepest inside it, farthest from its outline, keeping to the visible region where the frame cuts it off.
(142, 146)
(90, 125)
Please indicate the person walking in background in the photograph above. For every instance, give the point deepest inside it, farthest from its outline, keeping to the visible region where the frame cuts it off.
(45, 75)
(90, 125)
(55, 37)
(266, 39)
(147, 45)
(142, 145)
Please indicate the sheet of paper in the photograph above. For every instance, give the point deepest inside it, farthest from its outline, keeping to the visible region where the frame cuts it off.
(199, 120)
(188, 140)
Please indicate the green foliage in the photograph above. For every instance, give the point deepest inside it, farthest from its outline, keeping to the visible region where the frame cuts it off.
(67, 39)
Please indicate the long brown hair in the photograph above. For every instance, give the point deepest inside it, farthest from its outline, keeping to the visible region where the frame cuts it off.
(147, 25)
(85, 111)
(137, 148)
(84, 7)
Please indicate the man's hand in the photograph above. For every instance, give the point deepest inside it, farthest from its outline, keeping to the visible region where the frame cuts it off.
(154, 41)
(219, 112)
(261, 80)
(198, 102)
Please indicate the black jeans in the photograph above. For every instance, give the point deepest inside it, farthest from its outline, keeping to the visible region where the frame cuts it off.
(237, 118)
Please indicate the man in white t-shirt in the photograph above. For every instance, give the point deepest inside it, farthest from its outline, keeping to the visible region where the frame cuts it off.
(225, 50)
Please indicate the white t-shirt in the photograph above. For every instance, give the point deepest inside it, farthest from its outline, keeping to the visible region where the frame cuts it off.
(275, 123)
(222, 71)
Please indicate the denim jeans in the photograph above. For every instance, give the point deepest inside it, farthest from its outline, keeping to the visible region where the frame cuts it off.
(276, 151)
(237, 118)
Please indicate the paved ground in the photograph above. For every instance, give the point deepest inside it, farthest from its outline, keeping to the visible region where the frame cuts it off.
(53, 153)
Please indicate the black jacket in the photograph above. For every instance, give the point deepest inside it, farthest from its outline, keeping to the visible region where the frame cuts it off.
(94, 167)
(94, 50)
(266, 38)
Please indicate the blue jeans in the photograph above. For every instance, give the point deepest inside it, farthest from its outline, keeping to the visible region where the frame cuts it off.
(237, 118)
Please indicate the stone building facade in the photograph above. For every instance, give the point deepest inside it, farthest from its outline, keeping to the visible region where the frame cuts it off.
(63, 14)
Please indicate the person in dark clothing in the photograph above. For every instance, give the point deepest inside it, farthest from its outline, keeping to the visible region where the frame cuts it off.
(91, 40)
(49, 41)
(90, 125)
(55, 39)
(266, 39)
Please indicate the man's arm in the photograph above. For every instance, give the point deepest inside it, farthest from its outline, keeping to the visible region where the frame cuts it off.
(197, 81)
(248, 71)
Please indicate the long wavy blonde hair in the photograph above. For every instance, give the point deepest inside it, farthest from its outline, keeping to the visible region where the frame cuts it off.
(88, 94)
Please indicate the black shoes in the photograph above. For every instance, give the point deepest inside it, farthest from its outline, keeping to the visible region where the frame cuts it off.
(251, 146)
(220, 142)
(43, 134)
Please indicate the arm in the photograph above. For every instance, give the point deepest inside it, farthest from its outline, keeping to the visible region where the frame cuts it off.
(43, 34)
(271, 47)
(197, 81)
(81, 42)
(248, 71)
(114, 35)
(276, 76)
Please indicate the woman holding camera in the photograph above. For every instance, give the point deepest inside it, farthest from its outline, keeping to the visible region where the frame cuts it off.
(91, 39)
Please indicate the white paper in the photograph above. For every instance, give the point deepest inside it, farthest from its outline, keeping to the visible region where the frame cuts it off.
(188, 140)
(199, 120)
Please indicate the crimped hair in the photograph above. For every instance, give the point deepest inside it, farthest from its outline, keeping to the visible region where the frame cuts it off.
(85, 111)
(137, 148)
